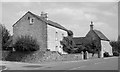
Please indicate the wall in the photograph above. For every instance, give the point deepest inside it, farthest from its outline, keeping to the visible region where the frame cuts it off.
(0, 37)
(42, 56)
(92, 36)
(54, 37)
(37, 30)
(3, 54)
(106, 47)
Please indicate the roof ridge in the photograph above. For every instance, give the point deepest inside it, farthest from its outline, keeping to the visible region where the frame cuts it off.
(101, 35)
(55, 24)
(50, 22)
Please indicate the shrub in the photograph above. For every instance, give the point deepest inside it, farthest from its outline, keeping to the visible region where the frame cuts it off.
(106, 54)
(26, 43)
(116, 45)
(115, 54)
(5, 36)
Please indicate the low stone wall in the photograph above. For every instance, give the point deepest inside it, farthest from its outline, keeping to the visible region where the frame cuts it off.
(69, 57)
(40, 56)
(51, 56)
(92, 57)
(25, 56)
(3, 54)
(55, 56)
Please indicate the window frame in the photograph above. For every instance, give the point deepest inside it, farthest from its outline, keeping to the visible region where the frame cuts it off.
(32, 20)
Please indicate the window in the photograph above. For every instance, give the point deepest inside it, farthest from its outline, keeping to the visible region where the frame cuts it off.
(60, 46)
(31, 20)
(56, 36)
(56, 48)
(62, 35)
(28, 18)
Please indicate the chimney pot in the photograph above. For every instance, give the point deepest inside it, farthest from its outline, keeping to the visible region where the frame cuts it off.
(91, 26)
(44, 15)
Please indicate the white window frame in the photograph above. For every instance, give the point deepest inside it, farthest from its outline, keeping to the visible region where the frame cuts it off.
(56, 36)
(32, 20)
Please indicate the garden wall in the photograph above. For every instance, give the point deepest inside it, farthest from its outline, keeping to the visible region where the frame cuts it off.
(3, 54)
(41, 56)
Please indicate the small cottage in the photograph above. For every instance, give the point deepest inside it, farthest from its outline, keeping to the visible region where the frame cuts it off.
(48, 33)
(100, 40)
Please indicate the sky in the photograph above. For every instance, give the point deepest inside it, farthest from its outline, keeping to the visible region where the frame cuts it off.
(73, 15)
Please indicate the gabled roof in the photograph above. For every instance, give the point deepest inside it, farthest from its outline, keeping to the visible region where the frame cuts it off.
(101, 35)
(98, 33)
(79, 40)
(49, 22)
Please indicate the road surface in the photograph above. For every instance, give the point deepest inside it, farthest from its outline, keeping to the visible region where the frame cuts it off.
(90, 64)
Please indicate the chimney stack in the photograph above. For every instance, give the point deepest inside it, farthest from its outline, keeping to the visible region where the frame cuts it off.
(91, 26)
(44, 15)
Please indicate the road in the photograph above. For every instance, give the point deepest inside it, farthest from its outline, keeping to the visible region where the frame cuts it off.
(90, 64)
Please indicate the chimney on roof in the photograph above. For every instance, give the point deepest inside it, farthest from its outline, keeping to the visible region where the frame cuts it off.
(91, 26)
(44, 15)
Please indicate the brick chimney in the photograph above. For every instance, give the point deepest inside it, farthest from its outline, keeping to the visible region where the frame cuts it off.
(44, 15)
(91, 26)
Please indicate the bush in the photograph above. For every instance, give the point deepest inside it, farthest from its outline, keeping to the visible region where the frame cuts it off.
(116, 45)
(26, 43)
(115, 54)
(5, 36)
(106, 54)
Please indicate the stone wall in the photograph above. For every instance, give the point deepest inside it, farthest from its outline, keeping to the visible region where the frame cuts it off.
(90, 56)
(3, 54)
(55, 56)
(38, 30)
(42, 56)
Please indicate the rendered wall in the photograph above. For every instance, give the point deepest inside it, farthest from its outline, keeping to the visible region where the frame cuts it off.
(54, 36)
(106, 47)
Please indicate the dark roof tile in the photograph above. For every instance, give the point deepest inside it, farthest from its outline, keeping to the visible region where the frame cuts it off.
(79, 40)
(49, 22)
(101, 35)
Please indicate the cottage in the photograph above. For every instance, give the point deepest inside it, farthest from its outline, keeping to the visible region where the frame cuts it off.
(100, 40)
(48, 33)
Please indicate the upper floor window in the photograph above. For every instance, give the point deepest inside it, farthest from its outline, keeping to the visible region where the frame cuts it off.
(56, 36)
(62, 35)
(31, 20)
(28, 18)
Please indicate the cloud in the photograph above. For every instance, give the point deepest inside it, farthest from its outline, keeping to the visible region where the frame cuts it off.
(15, 0)
(21, 13)
(108, 13)
(59, 0)
(91, 17)
(76, 14)
(107, 30)
(90, 9)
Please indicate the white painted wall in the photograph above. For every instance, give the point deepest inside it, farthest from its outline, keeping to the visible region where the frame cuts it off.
(54, 36)
(106, 47)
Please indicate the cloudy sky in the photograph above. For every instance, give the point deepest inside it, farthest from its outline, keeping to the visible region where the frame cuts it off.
(75, 16)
